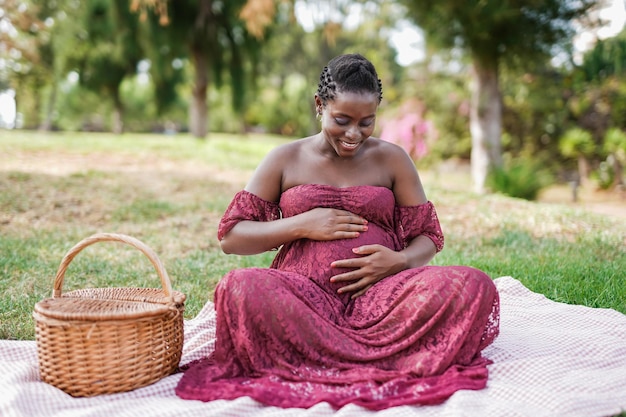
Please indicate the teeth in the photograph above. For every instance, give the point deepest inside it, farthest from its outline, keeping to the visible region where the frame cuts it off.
(349, 145)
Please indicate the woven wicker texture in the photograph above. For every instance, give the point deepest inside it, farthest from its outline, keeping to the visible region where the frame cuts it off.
(106, 340)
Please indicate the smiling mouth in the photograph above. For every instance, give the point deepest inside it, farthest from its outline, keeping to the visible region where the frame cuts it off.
(349, 145)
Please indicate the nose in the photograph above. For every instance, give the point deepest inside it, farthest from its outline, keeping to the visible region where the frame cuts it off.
(353, 132)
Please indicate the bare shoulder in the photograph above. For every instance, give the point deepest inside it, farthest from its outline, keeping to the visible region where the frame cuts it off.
(391, 153)
(266, 182)
(281, 150)
(407, 186)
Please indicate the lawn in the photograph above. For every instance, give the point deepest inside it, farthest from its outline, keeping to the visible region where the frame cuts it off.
(170, 191)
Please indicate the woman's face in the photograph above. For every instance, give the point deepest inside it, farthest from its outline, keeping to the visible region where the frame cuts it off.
(348, 120)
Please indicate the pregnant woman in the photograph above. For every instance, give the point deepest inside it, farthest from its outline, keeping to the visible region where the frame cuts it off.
(349, 311)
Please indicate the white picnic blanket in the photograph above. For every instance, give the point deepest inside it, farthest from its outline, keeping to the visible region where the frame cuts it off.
(551, 359)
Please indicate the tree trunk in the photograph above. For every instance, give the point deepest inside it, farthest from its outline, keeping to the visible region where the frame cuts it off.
(583, 171)
(116, 121)
(198, 115)
(46, 126)
(618, 172)
(117, 118)
(485, 123)
(16, 124)
(32, 119)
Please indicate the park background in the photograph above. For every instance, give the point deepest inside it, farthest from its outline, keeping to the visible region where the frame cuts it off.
(144, 117)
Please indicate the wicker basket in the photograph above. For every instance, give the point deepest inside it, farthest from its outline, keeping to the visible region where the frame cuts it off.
(107, 340)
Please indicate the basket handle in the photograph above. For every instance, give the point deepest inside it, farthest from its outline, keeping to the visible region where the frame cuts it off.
(111, 237)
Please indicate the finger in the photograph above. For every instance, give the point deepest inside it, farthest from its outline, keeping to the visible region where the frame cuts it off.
(349, 288)
(360, 293)
(346, 235)
(353, 227)
(348, 229)
(346, 277)
(353, 218)
(358, 220)
(348, 263)
(366, 249)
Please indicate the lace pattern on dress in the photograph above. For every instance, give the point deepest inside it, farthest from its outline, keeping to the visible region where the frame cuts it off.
(413, 221)
(247, 206)
(285, 337)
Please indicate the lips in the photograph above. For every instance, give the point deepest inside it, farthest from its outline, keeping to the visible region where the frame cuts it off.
(348, 144)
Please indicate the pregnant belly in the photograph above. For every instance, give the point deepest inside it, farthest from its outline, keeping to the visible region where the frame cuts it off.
(342, 249)
(313, 258)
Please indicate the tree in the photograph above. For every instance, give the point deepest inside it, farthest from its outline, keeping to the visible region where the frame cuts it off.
(256, 23)
(493, 33)
(607, 58)
(215, 37)
(104, 50)
(599, 87)
(26, 52)
(578, 143)
(97, 39)
(293, 57)
(615, 146)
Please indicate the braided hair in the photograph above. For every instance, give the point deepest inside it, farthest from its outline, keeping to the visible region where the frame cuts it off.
(350, 72)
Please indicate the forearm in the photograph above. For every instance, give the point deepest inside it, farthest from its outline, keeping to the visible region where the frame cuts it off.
(419, 252)
(252, 237)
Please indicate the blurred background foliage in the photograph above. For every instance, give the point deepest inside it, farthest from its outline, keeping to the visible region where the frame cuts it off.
(238, 66)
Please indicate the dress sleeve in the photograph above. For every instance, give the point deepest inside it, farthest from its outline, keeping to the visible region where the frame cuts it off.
(247, 206)
(412, 221)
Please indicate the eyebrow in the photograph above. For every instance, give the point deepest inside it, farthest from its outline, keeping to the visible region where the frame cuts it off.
(340, 114)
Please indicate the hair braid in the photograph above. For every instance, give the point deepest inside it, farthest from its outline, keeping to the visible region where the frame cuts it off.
(350, 72)
(327, 88)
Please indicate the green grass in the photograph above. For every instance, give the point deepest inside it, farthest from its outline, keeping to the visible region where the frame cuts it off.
(170, 191)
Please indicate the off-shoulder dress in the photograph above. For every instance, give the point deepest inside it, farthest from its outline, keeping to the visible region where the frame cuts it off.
(285, 337)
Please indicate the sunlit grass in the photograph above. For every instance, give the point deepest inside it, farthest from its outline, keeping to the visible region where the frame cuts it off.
(222, 150)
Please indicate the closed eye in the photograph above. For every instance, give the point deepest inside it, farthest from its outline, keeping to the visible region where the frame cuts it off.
(344, 121)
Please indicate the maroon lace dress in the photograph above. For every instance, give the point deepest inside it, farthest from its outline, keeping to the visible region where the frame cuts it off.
(286, 338)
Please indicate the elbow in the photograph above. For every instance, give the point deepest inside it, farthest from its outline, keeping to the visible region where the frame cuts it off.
(229, 247)
(239, 245)
(226, 247)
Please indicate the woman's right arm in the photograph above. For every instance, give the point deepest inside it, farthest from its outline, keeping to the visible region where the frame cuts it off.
(250, 237)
